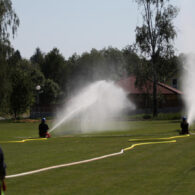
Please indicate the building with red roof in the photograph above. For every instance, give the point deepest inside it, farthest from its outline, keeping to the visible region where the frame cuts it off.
(169, 97)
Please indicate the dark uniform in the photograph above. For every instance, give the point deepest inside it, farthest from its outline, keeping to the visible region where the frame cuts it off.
(2, 170)
(43, 128)
(184, 126)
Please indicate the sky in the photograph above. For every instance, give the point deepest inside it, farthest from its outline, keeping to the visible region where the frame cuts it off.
(80, 25)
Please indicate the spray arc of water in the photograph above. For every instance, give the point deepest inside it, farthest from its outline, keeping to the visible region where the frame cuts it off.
(70, 115)
(94, 105)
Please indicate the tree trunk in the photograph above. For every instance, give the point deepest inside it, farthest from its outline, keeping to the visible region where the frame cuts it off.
(155, 81)
(155, 102)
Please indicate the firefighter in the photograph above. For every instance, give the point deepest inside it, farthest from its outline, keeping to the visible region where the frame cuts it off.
(2, 172)
(184, 126)
(43, 128)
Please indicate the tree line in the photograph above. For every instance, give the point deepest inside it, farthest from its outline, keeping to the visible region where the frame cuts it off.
(51, 78)
(59, 79)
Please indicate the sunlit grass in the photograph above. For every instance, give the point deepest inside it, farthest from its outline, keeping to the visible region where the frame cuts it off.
(150, 169)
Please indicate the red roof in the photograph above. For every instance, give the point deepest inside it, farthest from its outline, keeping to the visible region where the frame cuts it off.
(128, 84)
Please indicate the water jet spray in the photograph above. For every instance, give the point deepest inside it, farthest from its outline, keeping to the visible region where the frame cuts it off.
(188, 87)
(95, 105)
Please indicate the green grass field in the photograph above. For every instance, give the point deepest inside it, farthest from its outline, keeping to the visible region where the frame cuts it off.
(149, 169)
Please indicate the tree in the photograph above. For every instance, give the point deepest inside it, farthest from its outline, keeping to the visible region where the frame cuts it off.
(36, 76)
(115, 64)
(50, 92)
(9, 23)
(5, 85)
(155, 37)
(54, 68)
(14, 59)
(22, 88)
(105, 64)
(37, 58)
(168, 68)
(132, 60)
(8, 19)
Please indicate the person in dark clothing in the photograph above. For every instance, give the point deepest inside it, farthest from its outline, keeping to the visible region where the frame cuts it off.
(184, 126)
(2, 172)
(43, 128)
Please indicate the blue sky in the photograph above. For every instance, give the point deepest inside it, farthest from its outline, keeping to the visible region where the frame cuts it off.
(80, 25)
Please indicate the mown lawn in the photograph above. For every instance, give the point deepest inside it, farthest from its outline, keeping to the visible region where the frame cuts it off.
(149, 169)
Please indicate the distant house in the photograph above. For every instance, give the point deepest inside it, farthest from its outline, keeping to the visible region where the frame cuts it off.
(169, 98)
(175, 80)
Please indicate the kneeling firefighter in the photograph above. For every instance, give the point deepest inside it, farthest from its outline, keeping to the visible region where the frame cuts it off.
(43, 128)
(184, 126)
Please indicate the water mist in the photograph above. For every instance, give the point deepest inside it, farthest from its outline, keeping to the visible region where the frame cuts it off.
(94, 106)
(188, 87)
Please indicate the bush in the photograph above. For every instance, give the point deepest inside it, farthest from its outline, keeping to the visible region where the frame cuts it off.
(161, 116)
(147, 116)
(168, 116)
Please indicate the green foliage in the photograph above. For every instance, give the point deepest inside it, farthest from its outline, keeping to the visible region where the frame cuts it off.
(132, 60)
(161, 116)
(37, 58)
(22, 88)
(155, 36)
(167, 68)
(9, 23)
(36, 76)
(5, 85)
(169, 116)
(154, 39)
(105, 64)
(14, 58)
(148, 169)
(115, 62)
(8, 20)
(54, 67)
(50, 92)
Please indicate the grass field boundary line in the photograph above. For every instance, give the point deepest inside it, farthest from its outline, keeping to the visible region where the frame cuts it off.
(88, 160)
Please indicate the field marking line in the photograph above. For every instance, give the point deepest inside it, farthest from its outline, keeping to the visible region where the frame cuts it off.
(162, 138)
(24, 140)
(86, 161)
